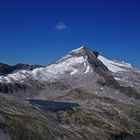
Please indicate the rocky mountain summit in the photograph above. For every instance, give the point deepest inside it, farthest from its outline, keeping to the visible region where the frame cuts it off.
(106, 91)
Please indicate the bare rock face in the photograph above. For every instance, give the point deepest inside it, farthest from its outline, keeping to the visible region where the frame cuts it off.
(107, 92)
(4, 133)
(5, 69)
(122, 136)
(4, 136)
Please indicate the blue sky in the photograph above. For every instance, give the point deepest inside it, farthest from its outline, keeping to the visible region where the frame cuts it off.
(42, 31)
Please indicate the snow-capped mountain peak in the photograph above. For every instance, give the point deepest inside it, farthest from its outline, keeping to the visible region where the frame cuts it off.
(79, 49)
(79, 61)
(74, 63)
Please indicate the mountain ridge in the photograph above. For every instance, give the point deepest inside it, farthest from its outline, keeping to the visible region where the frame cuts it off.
(84, 52)
(8, 69)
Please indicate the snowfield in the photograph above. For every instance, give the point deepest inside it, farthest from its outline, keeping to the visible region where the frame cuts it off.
(114, 66)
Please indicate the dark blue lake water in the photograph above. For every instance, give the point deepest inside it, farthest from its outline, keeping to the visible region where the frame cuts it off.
(53, 104)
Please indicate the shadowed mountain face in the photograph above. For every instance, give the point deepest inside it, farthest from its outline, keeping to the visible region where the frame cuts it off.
(7, 69)
(107, 91)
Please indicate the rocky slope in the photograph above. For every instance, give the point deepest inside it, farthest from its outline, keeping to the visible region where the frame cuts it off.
(107, 91)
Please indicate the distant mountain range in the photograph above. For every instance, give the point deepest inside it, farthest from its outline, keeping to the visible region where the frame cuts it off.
(107, 92)
(7, 69)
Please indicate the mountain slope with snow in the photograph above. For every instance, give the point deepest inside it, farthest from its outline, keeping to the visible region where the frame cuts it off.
(71, 63)
(114, 66)
(50, 72)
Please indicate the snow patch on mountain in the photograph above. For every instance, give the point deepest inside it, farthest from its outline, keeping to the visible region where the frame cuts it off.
(88, 69)
(117, 78)
(123, 64)
(114, 66)
(74, 71)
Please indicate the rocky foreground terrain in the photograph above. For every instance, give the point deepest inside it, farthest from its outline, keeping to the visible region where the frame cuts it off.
(107, 92)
